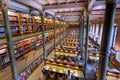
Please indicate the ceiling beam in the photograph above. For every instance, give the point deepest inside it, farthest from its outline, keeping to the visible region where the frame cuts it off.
(37, 1)
(30, 4)
(78, 12)
(72, 5)
(49, 2)
(69, 13)
(102, 12)
(58, 2)
(91, 4)
(102, 2)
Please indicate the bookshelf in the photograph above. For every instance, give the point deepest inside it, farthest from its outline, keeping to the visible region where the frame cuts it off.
(30, 23)
(18, 50)
(26, 45)
(48, 24)
(13, 18)
(1, 26)
(33, 43)
(39, 41)
(4, 58)
(37, 23)
(23, 46)
(23, 22)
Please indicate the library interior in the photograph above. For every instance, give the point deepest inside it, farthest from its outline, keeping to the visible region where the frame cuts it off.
(59, 40)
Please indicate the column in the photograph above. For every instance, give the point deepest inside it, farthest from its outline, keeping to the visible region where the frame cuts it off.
(4, 9)
(114, 35)
(60, 32)
(96, 32)
(81, 36)
(93, 31)
(86, 45)
(90, 30)
(101, 31)
(44, 38)
(54, 26)
(106, 38)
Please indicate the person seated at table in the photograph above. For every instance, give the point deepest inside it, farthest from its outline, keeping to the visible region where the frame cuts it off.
(70, 59)
(76, 78)
(78, 59)
(55, 57)
(60, 76)
(64, 57)
(45, 71)
(78, 48)
(52, 75)
(68, 73)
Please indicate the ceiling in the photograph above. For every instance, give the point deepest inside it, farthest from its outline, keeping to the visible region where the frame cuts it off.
(72, 10)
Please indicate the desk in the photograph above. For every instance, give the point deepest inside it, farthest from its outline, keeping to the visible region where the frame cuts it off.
(59, 69)
(77, 73)
(94, 56)
(72, 43)
(111, 78)
(66, 54)
(70, 47)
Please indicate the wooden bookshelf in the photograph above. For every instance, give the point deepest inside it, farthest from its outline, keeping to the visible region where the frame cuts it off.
(23, 23)
(22, 47)
(14, 23)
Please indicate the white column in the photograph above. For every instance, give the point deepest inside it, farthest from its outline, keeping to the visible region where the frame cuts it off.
(93, 31)
(114, 35)
(101, 30)
(96, 31)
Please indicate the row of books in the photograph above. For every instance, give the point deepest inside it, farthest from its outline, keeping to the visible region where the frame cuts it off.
(22, 47)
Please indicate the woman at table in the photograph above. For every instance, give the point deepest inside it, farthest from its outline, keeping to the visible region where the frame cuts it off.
(45, 71)
(78, 59)
(68, 74)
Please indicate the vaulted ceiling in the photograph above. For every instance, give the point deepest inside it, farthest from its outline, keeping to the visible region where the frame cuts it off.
(72, 10)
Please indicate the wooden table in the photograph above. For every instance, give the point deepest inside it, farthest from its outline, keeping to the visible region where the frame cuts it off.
(110, 76)
(94, 56)
(66, 54)
(59, 69)
(70, 47)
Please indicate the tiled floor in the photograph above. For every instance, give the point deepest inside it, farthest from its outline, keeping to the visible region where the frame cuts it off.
(90, 72)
